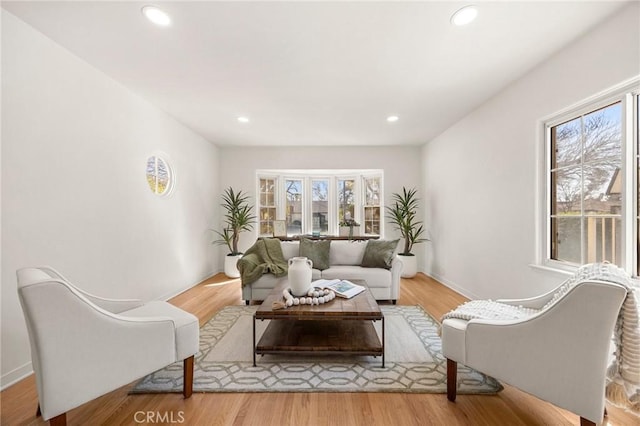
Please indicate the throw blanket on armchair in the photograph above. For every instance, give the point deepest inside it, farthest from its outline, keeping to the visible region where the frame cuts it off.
(623, 376)
(262, 257)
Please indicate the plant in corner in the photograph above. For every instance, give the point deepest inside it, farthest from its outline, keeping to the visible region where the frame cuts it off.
(238, 218)
(403, 214)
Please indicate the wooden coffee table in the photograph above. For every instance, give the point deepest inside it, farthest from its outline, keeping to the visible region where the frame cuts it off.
(339, 326)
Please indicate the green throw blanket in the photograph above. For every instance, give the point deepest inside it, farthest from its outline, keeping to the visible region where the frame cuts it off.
(262, 257)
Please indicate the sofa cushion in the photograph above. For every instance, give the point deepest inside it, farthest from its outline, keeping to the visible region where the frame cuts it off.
(290, 249)
(375, 277)
(379, 253)
(269, 281)
(317, 251)
(347, 252)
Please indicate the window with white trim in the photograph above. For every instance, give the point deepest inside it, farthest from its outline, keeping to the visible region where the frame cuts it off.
(318, 201)
(159, 175)
(372, 205)
(591, 169)
(266, 205)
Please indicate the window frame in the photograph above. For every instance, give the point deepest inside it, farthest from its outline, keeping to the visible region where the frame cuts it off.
(332, 176)
(171, 175)
(627, 93)
(259, 206)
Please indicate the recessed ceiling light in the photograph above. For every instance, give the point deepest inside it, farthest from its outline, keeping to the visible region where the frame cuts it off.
(464, 16)
(243, 119)
(157, 16)
(392, 118)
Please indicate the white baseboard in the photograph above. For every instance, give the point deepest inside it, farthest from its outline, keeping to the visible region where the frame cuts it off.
(453, 286)
(14, 376)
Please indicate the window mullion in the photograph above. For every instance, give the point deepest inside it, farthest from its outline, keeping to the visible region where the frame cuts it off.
(307, 197)
(629, 145)
(583, 243)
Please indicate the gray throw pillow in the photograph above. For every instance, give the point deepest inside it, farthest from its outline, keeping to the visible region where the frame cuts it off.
(379, 253)
(317, 251)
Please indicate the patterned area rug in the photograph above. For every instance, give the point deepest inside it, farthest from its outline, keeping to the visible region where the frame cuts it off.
(413, 361)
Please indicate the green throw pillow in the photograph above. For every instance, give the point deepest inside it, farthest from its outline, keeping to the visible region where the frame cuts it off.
(317, 251)
(379, 253)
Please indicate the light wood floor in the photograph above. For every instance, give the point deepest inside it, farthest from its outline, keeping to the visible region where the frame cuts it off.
(509, 407)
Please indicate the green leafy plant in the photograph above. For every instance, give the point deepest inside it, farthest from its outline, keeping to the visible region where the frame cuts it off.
(237, 219)
(403, 214)
(349, 222)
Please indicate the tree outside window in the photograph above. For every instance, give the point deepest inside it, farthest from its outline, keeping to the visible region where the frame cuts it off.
(294, 207)
(346, 199)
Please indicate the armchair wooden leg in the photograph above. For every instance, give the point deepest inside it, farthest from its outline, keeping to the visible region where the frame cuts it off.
(585, 422)
(452, 379)
(60, 420)
(187, 388)
(38, 412)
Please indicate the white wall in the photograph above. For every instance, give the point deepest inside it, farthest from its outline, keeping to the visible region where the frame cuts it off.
(74, 195)
(401, 167)
(479, 177)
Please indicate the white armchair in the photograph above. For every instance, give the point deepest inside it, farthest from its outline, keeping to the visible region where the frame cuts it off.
(83, 346)
(557, 351)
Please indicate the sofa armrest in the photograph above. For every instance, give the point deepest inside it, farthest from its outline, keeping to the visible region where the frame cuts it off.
(114, 306)
(536, 302)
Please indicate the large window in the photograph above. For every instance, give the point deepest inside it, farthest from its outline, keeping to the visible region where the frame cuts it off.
(586, 202)
(592, 184)
(317, 201)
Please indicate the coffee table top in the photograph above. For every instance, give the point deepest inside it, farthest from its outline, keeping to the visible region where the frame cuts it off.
(361, 306)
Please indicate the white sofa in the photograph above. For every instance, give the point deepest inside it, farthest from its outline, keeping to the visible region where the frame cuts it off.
(345, 258)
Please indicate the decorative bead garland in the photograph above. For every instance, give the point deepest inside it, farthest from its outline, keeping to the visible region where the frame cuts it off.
(314, 297)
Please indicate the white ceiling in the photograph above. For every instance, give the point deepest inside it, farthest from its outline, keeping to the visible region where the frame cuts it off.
(315, 73)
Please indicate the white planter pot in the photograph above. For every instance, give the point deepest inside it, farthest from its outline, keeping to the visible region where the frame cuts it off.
(409, 266)
(230, 268)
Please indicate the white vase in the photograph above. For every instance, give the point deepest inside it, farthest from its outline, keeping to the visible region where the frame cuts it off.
(300, 275)
(230, 268)
(409, 266)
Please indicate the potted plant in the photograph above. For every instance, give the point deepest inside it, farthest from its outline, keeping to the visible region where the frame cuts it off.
(238, 218)
(403, 214)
